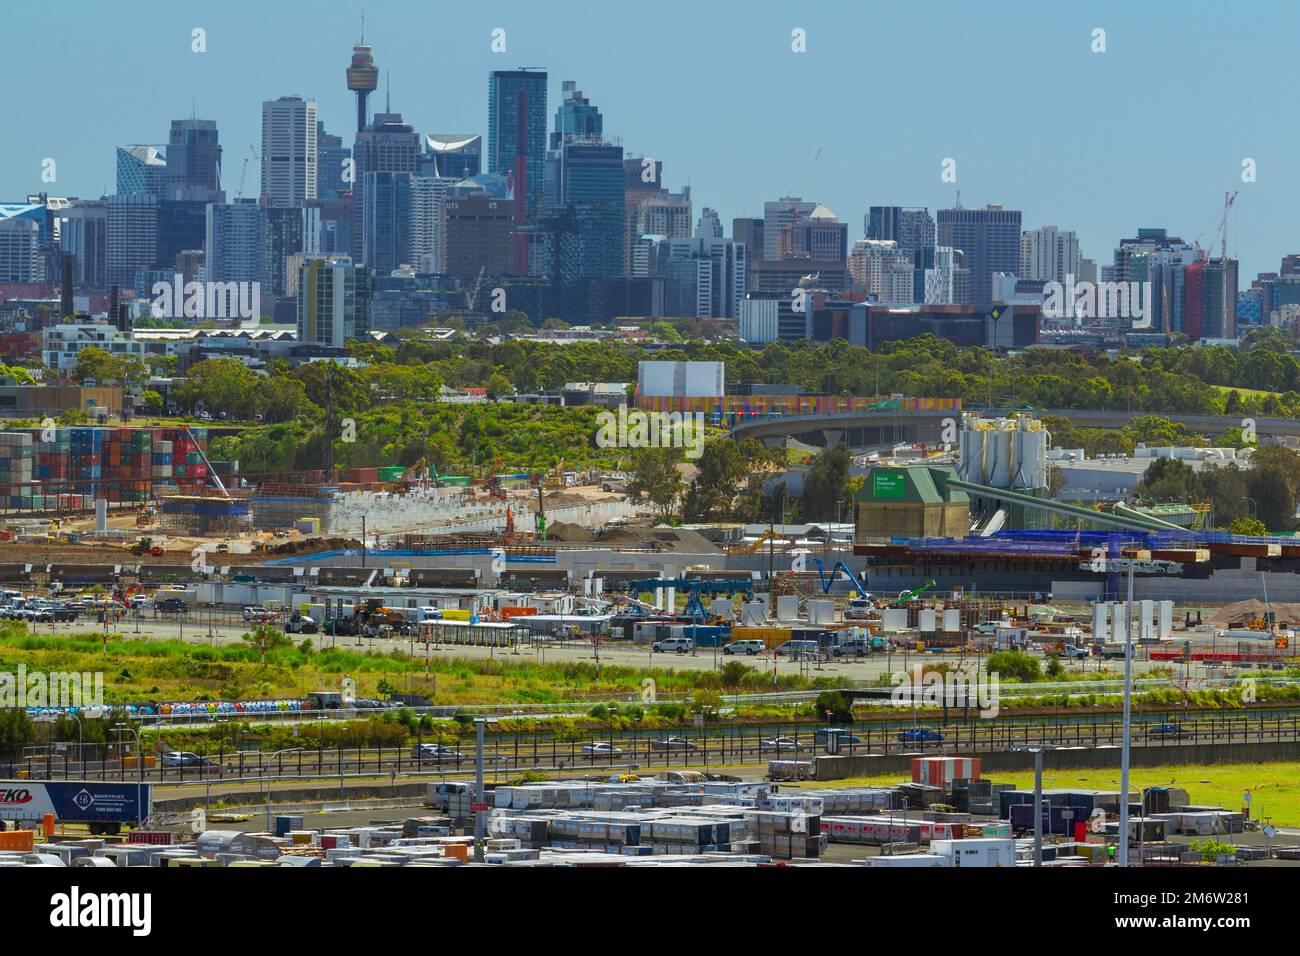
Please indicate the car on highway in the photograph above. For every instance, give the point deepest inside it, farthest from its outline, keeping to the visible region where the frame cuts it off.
(920, 735)
(439, 753)
(600, 748)
(779, 743)
(1165, 730)
(172, 605)
(822, 735)
(185, 758)
(749, 646)
(679, 744)
(681, 645)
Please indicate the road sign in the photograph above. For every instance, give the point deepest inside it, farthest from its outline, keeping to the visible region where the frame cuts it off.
(1270, 831)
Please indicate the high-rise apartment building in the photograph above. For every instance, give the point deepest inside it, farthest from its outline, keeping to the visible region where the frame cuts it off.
(289, 151)
(517, 133)
(1048, 254)
(387, 145)
(85, 238)
(333, 302)
(234, 246)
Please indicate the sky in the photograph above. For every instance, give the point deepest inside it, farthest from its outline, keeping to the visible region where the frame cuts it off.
(1151, 132)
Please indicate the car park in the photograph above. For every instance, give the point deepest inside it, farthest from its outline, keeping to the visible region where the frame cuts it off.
(749, 646)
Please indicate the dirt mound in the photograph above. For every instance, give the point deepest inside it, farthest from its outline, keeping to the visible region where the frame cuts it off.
(296, 546)
(569, 532)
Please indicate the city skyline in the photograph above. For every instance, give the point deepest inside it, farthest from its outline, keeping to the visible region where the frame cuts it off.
(1054, 152)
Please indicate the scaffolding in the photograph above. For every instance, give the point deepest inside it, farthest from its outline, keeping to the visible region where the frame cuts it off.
(201, 516)
(278, 505)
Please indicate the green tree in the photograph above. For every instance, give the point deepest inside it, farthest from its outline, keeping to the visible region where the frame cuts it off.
(825, 486)
(655, 475)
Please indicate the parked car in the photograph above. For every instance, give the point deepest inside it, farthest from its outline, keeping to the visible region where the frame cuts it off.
(172, 605)
(682, 645)
(680, 744)
(259, 615)
(65, 612)
(854, 647)
(797, 648)
(749, 646)
(920, 735)
(1075, 653)
(779, 743)
(600, 748)
(440, 753)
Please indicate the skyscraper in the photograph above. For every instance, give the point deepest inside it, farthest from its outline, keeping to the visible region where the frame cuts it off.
(330, 157)
(387, 145)
(990, 241)
(452, 155)
(234, 244)
(476, 233)
(140, 169)
(132, 237)
(386, 221)
(575, 117)
(193, 161)
(911, 228)
(1048, 254)
(85, 237)
(517, 132)
(289, 151)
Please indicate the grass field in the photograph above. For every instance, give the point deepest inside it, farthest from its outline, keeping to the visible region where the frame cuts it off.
(1244, 392)
(1275, 787)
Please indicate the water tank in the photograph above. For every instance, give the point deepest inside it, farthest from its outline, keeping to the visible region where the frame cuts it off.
(971, 462)
(1031, 468)
(1100, 621)
(821, 612)
(1000, 456)
(787, 607)
(952, 620)
(1147, 619)
(894, 619)
(1166, 629)
(926, 621)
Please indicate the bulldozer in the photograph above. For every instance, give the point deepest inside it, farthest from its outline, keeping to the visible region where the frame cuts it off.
(146, 546)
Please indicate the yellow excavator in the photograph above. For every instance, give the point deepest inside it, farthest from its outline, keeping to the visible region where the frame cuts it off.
(776, 537)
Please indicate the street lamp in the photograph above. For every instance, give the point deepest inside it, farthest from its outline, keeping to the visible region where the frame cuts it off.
(265, 759)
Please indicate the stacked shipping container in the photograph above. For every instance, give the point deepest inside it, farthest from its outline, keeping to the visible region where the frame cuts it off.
(66, 469)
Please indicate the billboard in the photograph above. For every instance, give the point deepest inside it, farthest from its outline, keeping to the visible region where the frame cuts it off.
(75, 800)
(888, 485)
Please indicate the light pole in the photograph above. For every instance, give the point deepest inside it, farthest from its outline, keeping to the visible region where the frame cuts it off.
(265, 759)
(1128, 721)
(1038, 800)
(480, 801)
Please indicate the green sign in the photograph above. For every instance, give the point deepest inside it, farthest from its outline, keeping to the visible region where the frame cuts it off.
(888, 485)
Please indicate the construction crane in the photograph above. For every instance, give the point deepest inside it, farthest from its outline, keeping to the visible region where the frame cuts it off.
(473, 295)
(243, 172)
(1220, 227)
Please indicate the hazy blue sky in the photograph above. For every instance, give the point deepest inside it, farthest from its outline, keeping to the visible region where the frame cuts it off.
(1149, 133)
